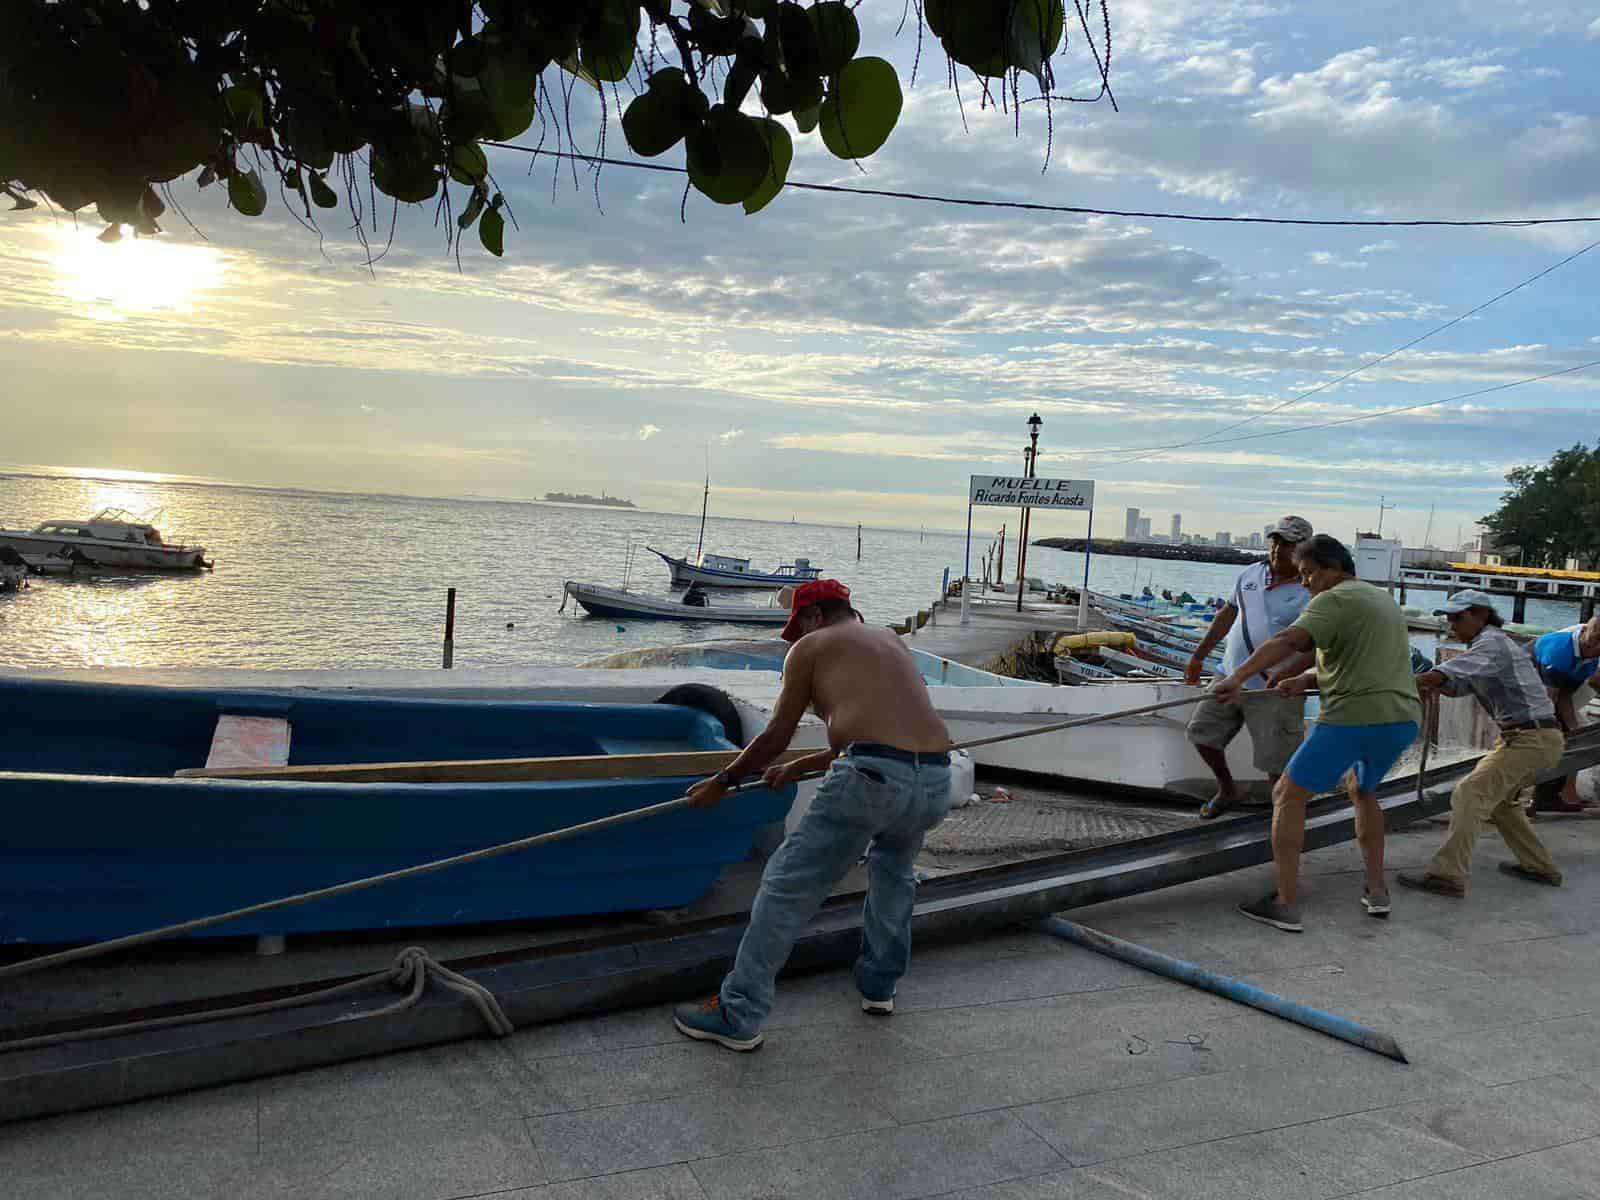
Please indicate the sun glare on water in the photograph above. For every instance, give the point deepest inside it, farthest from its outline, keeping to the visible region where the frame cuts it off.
(135, 275)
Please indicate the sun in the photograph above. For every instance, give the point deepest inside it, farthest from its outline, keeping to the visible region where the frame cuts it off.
(110, 280)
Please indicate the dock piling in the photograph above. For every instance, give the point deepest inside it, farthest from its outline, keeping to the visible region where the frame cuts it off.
(450, 628)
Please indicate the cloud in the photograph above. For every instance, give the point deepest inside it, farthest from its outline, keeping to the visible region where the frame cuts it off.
(1382, 247)
(1326, 258)
(730, 435)
(646, 432)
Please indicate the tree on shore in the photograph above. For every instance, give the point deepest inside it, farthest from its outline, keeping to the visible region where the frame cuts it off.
(331, 102)
(1552, 512)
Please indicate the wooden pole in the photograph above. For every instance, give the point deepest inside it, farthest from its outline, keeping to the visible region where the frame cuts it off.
(450, 628)
(858, 543)
(495, 770)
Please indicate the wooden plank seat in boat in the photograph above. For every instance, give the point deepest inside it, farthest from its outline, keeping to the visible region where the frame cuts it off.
(248, 741)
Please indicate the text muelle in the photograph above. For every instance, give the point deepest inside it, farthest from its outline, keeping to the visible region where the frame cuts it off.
(1015, 491)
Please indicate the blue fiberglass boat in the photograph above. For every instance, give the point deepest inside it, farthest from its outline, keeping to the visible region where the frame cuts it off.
(100, 839)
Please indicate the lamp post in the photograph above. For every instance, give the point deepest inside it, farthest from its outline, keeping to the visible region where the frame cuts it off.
(1030, 457)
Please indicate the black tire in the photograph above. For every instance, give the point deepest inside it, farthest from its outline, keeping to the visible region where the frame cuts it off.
(710, 700)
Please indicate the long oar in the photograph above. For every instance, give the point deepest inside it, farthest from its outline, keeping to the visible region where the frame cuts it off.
(598, 766)
(494, 770)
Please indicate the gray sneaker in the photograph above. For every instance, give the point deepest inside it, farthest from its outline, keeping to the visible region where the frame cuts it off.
(1269, 911)
(1376, 903)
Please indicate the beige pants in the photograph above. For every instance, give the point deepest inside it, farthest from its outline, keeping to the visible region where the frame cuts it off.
(1490, 794)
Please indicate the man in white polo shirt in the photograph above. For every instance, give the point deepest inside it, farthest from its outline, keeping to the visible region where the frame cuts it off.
(1266, 599)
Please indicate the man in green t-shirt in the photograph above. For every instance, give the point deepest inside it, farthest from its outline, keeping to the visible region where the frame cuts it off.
(1370, 709)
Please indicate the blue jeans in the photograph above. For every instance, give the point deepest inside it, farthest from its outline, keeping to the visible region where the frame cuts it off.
(863, 800)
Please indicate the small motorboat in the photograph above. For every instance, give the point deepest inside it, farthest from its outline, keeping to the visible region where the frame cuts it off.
(112, 538)
(105, 838)
(723, 570)
(619, 603)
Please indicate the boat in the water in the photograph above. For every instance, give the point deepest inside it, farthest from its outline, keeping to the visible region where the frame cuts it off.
(103, 840)
(111, 538)
(727, 570)
(724, 570)
(621, 604)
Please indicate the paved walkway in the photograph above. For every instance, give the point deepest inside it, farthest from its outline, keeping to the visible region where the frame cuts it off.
(1017, 1067)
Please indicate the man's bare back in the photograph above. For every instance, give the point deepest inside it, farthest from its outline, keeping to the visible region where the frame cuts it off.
(866, 688)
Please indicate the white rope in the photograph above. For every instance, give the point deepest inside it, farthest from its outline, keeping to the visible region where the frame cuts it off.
(412, 969)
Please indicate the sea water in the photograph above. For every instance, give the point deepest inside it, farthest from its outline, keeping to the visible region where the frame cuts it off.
(310, 579)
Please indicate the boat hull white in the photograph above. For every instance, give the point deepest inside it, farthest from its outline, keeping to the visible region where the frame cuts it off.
(620, 605)
(98, 552)
(1148, 752)
(685, 572)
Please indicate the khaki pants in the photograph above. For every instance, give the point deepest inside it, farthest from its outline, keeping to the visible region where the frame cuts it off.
(1490, 794)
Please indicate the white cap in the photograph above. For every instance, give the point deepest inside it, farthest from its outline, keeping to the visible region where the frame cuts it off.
(1465, 599)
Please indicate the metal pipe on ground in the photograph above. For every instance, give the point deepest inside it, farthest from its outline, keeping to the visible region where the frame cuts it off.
(1225, 986)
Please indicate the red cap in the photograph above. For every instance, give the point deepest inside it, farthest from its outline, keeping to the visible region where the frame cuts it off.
(813, 591)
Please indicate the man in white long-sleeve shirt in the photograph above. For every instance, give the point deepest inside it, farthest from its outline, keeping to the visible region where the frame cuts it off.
(1267, 598)
(1502, 677)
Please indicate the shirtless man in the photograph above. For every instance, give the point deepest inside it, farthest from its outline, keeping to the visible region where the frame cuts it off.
(888, 783)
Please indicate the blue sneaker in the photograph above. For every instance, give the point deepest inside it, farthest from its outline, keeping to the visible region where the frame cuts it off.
(705, 1022)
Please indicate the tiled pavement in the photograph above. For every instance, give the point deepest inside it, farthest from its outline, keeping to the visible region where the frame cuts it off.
(1016, 1068)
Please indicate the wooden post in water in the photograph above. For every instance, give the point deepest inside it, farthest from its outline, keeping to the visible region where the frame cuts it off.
(858, 543)
(450, 628)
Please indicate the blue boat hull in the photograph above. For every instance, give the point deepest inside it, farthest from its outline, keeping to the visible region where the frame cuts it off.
(100, 841)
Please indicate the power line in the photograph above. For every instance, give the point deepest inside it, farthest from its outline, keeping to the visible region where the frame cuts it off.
(1372, 416)
(1322, 387)
(1074, 210)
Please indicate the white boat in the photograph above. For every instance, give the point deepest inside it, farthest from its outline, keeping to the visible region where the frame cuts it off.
(1133, 665)
(1070, 670)
(111, 538)
(1149, 751)
(621, 604)
(726, 571)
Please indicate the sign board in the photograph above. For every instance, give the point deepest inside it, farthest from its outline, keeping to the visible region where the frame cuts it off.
(1016, 491)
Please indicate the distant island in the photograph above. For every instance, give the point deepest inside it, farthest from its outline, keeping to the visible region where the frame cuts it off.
(585, 498)
(1206, 554)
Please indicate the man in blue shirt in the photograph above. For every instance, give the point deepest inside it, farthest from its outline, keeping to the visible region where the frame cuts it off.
(1567, 659)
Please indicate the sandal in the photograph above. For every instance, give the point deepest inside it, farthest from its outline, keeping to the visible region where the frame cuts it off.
(1214, 808)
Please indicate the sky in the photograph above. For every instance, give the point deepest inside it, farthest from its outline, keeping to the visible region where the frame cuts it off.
(851, 359)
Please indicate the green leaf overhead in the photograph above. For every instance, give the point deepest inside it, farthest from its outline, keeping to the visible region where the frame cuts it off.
(103, 100)
(728, 157)
(780, 153)
(861, 109)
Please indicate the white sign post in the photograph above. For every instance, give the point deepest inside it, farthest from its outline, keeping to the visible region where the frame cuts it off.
(1017, 491)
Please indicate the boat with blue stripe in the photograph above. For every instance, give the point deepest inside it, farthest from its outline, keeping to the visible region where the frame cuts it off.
(724, 570)
(103, 840)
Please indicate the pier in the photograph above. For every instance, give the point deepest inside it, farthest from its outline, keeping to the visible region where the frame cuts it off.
(1577, 587)
(994, 629)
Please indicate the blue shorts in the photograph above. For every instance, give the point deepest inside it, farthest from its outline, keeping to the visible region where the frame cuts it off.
(1330, 750)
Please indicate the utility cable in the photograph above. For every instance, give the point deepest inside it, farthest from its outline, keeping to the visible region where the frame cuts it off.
(1070, 209)
(1322, 387)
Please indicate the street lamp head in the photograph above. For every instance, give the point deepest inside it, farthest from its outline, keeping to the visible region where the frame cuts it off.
(1033, 424)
